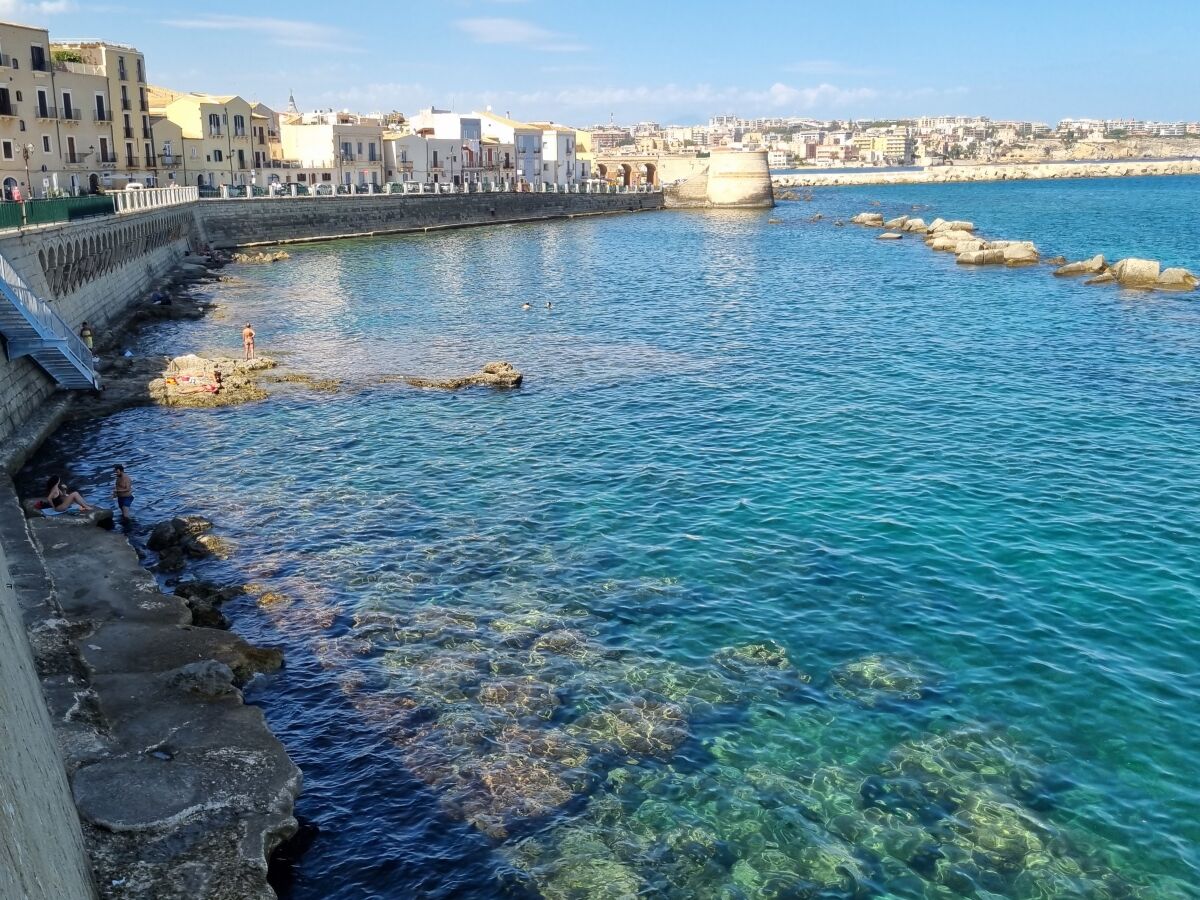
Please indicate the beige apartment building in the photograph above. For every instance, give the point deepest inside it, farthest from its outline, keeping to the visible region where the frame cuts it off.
(73, 115)
(334, 148)
(205, 140)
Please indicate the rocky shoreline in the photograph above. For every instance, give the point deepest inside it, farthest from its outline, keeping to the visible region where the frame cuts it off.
(1008, 172)
(181, 788)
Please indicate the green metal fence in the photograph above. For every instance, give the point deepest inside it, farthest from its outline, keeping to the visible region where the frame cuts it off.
(62, 209)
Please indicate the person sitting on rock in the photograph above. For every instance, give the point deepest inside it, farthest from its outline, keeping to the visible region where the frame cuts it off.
(61, 498)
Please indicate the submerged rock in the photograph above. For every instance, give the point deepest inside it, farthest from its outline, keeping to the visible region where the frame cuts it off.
(261, 257)
(890, 236)
(494, 374)
(877, 678)
(638, 725)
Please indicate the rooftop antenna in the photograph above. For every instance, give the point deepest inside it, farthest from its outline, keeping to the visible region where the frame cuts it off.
(292, 101)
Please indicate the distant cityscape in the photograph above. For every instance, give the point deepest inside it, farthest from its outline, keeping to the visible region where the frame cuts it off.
(926, 140)
(83, 117)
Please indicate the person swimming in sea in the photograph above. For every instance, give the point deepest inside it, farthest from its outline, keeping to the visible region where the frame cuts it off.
(526, 306)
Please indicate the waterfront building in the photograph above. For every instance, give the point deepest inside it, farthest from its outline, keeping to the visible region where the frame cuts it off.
(269, 159)
(122, 69)
(58, 102)
(525, 139)
(214, 137)
(335, 147)
(559, 162)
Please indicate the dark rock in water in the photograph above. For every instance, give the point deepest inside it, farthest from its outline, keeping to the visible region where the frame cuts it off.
(494, 374)
(204, 600)
(162, 536)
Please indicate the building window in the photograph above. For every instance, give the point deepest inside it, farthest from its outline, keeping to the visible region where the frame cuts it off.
(141, 70)
(121, 67)
(239, 126)
(45, 143)
(6, 149)
(218, 156)
(214, 125)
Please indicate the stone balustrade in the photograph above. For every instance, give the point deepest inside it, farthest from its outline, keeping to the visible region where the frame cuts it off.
(153, 198)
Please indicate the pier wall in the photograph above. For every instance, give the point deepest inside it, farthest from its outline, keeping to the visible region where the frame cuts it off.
(245, 222)
(1128, 168)
(42, 855)
(92, 271)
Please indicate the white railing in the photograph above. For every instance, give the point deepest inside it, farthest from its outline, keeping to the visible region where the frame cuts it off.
(153, 198)
(420, 188)
(49, 324)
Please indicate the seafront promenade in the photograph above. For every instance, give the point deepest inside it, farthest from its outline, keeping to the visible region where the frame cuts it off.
(1011, 172)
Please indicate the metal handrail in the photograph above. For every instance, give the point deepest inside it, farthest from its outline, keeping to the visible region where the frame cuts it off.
(13, 286)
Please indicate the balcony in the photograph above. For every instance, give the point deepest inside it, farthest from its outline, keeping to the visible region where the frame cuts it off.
(40, 65)
(131, 162)
(150, 161)
(5, 60)
(125, 104)
(103, 115)
(45, 112)
(8, 109)
(71, 116)
(106, 159)
(215, 133)
(145, 133)
(169, 159)
(128, 133)
(240, 135)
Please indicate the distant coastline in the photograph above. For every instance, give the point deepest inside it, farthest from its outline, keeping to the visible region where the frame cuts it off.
(1007, 172)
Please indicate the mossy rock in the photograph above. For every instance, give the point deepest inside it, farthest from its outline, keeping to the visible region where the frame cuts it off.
(638, 725)
(876, 679)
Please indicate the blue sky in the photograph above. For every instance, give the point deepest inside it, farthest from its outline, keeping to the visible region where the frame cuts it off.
(668, 61)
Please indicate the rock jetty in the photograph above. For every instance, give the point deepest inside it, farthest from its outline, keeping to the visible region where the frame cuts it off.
(959, 237)
(494, 374)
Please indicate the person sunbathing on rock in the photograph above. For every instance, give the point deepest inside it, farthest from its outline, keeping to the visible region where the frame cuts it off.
(61, 498)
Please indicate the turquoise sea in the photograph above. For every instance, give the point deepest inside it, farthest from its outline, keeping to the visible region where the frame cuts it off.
(802, 565)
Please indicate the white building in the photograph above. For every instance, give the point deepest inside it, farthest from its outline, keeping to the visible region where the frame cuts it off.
(525, 139)
(334, 147)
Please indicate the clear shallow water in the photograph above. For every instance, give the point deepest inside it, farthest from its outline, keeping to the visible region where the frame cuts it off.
(952, 511)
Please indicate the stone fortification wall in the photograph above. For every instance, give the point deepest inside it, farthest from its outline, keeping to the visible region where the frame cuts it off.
(229, 223)
(41, 847)
(1013, 172)
(734, 180)
(88, 271)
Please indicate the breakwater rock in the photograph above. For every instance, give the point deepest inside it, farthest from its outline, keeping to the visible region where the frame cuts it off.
(494, 374)
(195, 381)
(261, 257)
(969, 249)
(1009, 172)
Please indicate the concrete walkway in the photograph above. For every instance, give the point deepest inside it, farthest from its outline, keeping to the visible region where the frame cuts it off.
(182, 790)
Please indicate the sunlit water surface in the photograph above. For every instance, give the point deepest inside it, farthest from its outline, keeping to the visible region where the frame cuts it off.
(803, 565)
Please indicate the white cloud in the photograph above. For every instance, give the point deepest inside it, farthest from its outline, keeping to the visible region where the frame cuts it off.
(519, 32)
(285, 32)
(39, 8)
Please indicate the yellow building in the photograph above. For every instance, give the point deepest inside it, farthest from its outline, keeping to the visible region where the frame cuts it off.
(118, 71)
(214, 134)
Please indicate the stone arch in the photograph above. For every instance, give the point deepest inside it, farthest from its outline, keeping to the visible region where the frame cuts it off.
(649, 173)
(625, 173)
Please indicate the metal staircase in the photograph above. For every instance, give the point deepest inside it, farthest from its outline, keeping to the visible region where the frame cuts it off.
(31, 328)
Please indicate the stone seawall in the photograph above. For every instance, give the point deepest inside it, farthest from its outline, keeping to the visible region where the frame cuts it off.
(1017, 172)
(42, 855)
(88, 271)
(240, 223)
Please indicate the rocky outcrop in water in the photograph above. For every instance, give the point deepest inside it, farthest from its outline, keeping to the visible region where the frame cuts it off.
(1093, 266)
(196, 381)
(262, 256)
(493, 374)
